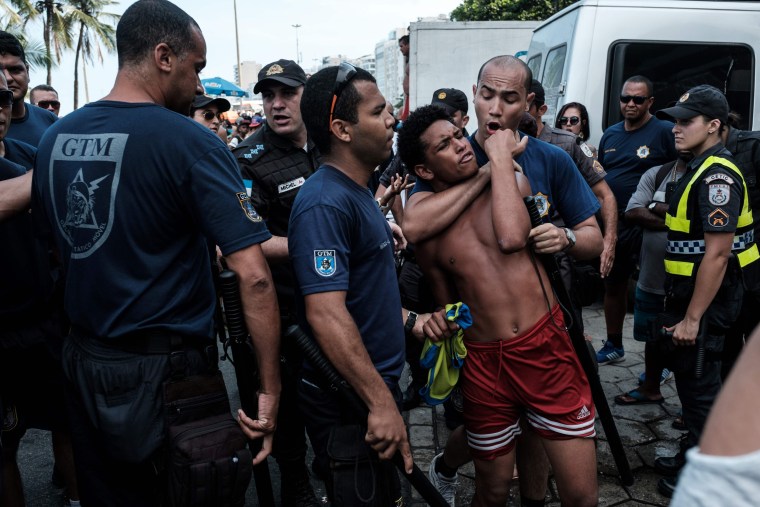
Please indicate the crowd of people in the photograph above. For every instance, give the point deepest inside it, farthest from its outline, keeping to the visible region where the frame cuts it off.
(366, 232)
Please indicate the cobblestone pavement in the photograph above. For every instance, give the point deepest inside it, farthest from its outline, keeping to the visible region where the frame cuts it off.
(645, 431)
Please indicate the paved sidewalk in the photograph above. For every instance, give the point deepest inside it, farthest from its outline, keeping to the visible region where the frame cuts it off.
(644, 429)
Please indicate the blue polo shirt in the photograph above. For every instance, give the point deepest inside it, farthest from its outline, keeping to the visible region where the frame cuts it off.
(30, 128)
(133, 193)
(24, 261)
(339, 241)
(626, 156)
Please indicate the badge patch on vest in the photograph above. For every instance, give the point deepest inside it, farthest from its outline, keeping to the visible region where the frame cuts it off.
(643, 151)
(290, 185)
(718, 218)
(718, 194)
(542, 203)
(84, 176)
(324, 262)
(719, 176)
(586, 150)
(598, 167)
(245, 203)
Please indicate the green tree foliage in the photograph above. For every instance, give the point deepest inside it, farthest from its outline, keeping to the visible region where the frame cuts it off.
(79, 25)
(503, 10)
(88, 18)
(56, 29)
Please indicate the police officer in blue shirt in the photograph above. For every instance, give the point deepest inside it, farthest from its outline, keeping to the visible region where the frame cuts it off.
(710, 250)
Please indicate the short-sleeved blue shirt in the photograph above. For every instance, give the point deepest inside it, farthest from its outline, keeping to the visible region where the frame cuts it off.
(339, 241)
(133, 193)
(30, 128)
(626, 155)
(554, 180)
(24, 262)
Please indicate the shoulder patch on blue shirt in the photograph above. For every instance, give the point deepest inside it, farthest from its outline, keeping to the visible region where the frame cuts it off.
(245, 203)
(324, 262)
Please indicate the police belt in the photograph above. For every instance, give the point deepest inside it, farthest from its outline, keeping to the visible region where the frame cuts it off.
(741, 242)
(147, 342)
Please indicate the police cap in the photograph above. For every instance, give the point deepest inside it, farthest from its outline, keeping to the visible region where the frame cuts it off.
(700, 100)
(285, 72)
(451, 99)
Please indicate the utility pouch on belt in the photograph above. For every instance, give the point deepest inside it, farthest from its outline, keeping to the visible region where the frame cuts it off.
(208, 462)
(354, 469)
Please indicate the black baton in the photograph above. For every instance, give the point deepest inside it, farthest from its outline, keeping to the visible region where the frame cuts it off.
(246, 373)
(581, 350)
(316, 357)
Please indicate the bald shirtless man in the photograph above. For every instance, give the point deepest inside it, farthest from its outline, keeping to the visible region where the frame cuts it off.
(520, 360)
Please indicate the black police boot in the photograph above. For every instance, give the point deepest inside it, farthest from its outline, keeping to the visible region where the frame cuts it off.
(667, 486)
(670, 465)
(295, 486)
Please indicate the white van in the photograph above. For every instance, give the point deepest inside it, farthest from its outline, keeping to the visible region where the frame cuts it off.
(585, 52)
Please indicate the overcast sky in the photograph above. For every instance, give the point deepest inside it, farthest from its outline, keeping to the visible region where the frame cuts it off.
(328, 27)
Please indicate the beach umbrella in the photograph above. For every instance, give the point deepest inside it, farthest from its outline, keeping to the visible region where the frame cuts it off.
(219, 86)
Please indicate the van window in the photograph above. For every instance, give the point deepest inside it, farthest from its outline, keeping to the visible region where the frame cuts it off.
(555, 65)
(534, 64)
(674, 67)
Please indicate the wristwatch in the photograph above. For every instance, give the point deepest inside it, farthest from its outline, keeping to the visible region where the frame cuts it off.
(570, 239)
(652, 205)
(411, 320)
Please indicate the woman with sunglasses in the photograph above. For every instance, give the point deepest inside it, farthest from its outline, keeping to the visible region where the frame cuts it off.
(573, 117)
(710, 256)
(206, 110)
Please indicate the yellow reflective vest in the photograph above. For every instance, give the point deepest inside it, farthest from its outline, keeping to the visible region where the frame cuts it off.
(685, 241)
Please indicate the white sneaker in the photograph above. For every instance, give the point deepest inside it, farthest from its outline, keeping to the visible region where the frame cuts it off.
(446, 486)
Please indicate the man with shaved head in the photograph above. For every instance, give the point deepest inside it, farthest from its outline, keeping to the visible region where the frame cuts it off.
(502, 95)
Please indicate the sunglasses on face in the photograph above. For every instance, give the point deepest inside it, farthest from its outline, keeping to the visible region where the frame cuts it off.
(573, 120)
(625, 99)
(208, 115)
(45, 104)
(346, 73)
(6, 98)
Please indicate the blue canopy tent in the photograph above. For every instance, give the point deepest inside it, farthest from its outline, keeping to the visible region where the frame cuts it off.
(219, 86)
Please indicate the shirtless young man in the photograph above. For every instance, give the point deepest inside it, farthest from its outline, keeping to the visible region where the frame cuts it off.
(520, 361)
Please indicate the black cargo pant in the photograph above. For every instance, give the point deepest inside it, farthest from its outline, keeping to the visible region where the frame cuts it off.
(326, 411)
(697, 394)
(114, 401)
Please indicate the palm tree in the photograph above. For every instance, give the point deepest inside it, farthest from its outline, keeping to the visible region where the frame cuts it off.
(13, 18)
(88, 16)
(15, 13)
(56, 30)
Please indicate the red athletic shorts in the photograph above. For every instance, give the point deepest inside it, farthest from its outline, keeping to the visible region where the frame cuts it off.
(536, 375)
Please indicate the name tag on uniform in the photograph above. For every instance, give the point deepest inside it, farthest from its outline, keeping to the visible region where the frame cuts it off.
(290, 185)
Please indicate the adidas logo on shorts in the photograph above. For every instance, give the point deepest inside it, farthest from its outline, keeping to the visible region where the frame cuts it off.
(583, 413)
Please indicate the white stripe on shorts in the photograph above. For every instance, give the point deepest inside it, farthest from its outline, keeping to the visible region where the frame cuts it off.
(492, 441)
(585, 429)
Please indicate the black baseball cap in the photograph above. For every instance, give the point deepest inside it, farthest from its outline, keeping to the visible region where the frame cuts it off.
(537, 88)
(451, 99)
(702, 99)
(202, 101)
(286, 72)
